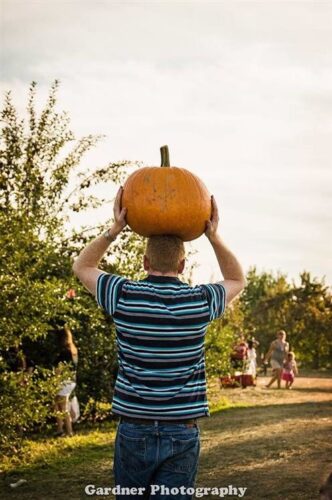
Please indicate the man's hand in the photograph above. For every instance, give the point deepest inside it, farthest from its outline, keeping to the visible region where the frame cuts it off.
(119, 214)
(212, 224)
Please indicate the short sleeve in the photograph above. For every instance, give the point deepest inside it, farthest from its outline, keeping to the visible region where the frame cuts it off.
(216, 297)
(109, 287)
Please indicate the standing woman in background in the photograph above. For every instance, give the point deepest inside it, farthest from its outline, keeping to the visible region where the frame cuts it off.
(69, 355)
(277, 353)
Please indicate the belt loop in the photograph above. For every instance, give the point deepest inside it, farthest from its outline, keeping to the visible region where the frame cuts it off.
(155, 424)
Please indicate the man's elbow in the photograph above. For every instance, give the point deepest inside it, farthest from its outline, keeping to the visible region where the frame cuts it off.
(234, 288)
(239, 286)
(242, 284)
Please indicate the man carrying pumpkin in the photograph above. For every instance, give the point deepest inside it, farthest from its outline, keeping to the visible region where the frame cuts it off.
(161, 322)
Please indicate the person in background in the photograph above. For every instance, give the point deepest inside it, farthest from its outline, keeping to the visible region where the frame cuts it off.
(68, 355)
(254, 342)
(277, 354)
(290, 370)
(251, 363)
(239, 355)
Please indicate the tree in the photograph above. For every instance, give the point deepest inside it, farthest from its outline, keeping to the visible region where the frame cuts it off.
(263, 304)
(41, 184)
(270, 303)
(40, 159)
(35, 202)
(310, 320)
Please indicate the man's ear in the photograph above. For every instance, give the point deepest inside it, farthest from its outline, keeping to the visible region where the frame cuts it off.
(181, 266)
(146, 263)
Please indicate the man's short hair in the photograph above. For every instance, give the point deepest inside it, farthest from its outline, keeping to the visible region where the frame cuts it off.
(165, 253)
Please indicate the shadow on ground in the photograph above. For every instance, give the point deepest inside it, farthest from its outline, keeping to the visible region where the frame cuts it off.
(276, 451)
(62, 476)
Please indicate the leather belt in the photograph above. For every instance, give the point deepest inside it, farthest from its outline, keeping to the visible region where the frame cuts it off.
(191, 422)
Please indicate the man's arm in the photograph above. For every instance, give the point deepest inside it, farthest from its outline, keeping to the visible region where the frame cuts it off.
(234, 279)
(86, 265)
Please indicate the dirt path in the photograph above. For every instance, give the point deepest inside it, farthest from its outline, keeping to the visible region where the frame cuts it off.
(305, 390)
(277, 445)
(280, 449)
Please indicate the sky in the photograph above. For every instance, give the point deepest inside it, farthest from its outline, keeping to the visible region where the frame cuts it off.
(241, 91)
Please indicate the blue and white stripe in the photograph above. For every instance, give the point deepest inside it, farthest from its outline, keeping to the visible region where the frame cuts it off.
(160, 324)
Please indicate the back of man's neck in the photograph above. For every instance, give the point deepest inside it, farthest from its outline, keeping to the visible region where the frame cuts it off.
(157, 273)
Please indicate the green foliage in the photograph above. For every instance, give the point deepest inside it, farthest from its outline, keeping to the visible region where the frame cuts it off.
(218, 348)
(40, 186)
(270, 303)
(310, 320)
(96, 410)
(26, 401)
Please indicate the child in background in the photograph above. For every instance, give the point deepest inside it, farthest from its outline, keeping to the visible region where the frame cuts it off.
(289, 370)
(252, 363)
(248, 377)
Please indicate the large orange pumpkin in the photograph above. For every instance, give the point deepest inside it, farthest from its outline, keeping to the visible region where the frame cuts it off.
(166, 200)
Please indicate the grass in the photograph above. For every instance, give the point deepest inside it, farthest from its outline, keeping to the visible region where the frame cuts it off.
(59, 468)
(274, 443)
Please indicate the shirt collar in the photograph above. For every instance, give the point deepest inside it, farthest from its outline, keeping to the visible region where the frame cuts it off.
(162, 279)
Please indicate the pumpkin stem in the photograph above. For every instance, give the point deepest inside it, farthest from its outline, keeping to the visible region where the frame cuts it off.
(164, 156)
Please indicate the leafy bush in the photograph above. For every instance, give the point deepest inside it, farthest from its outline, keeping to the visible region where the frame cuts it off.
(40, 187)
(26, 402)
(218, 349)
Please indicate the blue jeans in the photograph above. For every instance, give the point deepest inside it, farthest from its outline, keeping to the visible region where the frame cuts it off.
(156, 454)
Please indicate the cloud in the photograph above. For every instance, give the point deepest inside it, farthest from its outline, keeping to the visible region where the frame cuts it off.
(240, 91)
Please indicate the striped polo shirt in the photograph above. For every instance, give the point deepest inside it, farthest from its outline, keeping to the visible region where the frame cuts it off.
(160, 330)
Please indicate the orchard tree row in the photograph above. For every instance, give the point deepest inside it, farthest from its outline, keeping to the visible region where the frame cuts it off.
(41, 185)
